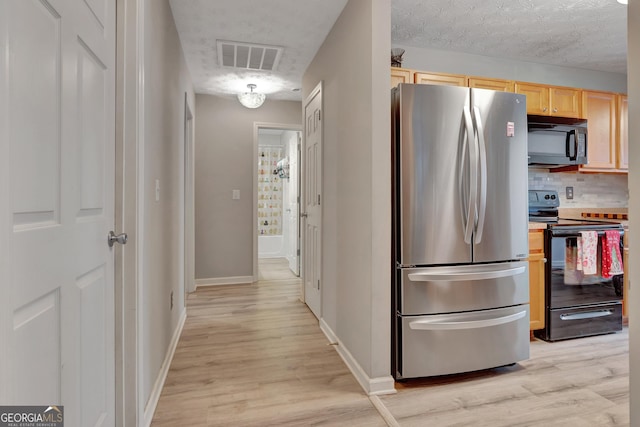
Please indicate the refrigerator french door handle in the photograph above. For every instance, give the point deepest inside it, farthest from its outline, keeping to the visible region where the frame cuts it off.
(462, 276)
(430, 325)
(483, 175)
(473, 176)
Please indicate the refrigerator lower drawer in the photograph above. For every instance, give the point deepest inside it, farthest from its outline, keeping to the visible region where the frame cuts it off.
(461, 342)
(584, 321)
(434, 290)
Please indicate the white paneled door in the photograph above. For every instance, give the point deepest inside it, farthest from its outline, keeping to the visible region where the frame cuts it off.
(57, 89)
(312, 196)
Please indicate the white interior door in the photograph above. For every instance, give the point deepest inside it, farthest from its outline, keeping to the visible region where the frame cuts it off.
(312, 195)
(58, 206)
(294, 204)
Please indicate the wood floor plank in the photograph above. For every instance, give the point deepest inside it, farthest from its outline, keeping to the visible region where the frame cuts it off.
(253, 355)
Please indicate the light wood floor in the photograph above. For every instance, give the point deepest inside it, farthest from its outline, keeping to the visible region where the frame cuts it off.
(253, 355)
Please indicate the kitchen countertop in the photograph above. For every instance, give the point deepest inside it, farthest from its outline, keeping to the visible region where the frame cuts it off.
(537, 226)
(618, 215)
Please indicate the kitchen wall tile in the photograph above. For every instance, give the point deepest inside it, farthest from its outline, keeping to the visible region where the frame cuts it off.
(589, 190)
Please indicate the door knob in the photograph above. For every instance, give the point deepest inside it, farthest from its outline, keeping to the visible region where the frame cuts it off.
(303, 214)
(113, 238)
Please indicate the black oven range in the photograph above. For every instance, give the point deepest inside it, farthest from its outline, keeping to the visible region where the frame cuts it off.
(580, 302)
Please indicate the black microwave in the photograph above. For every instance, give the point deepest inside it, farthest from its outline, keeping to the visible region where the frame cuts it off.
(556, 141)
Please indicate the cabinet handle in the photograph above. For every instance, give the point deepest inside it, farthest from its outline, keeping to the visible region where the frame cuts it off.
(544, 109)
(555, 110)
(544, 260)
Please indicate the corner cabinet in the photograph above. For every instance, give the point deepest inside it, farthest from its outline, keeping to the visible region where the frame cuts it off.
(551, 100)
(599, 109)
(400, 75)
(623, 133)
(536, 279)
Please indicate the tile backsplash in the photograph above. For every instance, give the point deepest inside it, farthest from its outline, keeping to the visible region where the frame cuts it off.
(590, 190)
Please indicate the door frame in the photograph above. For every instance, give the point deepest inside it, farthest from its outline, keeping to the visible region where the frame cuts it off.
(256, 127)
(129, 209)
(188, 209)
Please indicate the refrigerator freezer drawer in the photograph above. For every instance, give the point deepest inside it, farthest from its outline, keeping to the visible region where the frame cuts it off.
(435, 290)
(462, 342)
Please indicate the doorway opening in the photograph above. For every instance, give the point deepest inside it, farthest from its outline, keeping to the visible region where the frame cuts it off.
(277, 196)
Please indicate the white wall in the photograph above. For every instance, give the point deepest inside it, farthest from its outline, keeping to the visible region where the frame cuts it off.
(425, 59)
(166, 81)
(353, 64)
(224, 162)
(633, 71)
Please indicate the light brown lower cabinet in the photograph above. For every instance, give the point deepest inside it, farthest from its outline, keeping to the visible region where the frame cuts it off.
(536, 279)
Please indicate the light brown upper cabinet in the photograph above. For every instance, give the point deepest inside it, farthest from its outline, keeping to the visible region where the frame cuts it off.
(493, 84)
(400, 75)
(599, 108)
(623, 133)
(440, 79)
(551, 100)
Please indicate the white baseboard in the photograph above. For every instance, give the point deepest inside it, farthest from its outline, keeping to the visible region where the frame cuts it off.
(216, 281)
(371, 386)
(150, 408)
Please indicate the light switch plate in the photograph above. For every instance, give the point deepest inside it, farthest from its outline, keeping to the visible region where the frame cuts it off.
(235, 195)
(157, 190)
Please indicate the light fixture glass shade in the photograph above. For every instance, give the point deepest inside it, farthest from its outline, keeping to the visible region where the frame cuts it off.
(251, 99)
(622, 1)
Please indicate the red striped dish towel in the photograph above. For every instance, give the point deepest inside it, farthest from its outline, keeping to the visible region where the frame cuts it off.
(588, 252)
(611, 256)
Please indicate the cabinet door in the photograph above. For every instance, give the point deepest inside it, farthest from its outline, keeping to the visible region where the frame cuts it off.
(599, 109)
(623, 135)
(536, 280)
(400, 75)
(493, 84)
(565, 102)
(537, 97)
(440, 79)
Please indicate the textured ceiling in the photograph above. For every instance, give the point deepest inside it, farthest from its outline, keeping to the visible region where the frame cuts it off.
(300, 26)
(588, 34)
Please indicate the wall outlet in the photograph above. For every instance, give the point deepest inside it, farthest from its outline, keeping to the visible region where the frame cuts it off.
(171, 308)
(569, 193)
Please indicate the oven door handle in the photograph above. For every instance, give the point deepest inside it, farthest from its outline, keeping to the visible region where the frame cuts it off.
(434, 325)
(586, 315)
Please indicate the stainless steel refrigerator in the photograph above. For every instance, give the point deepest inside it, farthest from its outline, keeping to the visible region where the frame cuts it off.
(460, 222)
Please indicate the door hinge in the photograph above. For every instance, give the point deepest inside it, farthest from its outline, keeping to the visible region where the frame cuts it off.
(318, 199)
(298, 252)
(318, 284)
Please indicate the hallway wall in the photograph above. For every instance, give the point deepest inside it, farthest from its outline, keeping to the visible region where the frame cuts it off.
(225, 162)
(353, 64)
(166, 81)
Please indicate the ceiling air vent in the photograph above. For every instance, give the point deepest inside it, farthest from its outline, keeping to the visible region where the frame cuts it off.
(248, 56)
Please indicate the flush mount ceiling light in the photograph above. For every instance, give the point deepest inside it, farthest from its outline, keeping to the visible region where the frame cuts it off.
(251, 99)
(622, 1)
